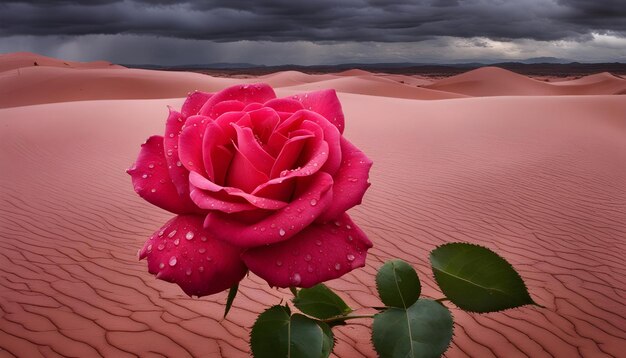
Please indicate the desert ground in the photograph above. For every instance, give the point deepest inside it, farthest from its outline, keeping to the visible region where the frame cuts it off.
(534, 170)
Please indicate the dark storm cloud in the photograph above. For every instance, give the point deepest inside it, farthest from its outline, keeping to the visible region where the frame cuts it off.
(318, 21)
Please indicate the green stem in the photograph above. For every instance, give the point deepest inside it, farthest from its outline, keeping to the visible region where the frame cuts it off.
(345, 318)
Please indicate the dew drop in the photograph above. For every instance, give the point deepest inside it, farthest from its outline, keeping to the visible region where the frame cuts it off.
(337, 223)
(144, 176)
(279, 263)
(171, 234)
(203, 238)
(171, 135)
(150, 165)
(201, 268)
(337, 266)
(188, 271)
(189, 235)
(161, 247)
(307, 257)
(179, 164)
(296, 279)
(318, 242)
(348, 227)
(350, 238)
(173, 261)
(161, 232)
(273, 226)
(149, 247)
(262, 229)
(153, 190)
(161, 265)
(202, 250)
(176, 242)
(281, 232)
(208, 258)
(350, 257)
(313, 202)
(310, 268)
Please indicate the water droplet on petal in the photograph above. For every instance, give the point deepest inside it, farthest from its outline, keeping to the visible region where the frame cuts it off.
(173, 261)
(161, 265)
(203, 238)
(201, 268)
(348, 227)
(318, 242)
(350, 257)
(161, 232)
(189, 235)
(153, 190)
(176, 242)
(337, 223)
(178, 163)
(161, 247)
(350, 238)
(310, 268)
(188, 271)
(296, 279)
(208, 258)
(281, 232)
(150, 165)
(279, 263)
(171, 135)
(353, 180)
(313, 202)
(171, 234)
(149, 247)
(144, 176)
(202, 250)
(307, 257)
(337, 266)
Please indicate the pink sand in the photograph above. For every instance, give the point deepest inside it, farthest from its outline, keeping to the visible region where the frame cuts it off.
(536, 174)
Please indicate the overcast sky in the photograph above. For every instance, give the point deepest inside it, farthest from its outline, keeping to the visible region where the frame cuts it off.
(310, 32)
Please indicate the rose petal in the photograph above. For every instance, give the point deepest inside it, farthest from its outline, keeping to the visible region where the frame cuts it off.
(218, 137)
(205, 190)
(247, 93)
(190, 143)
(326, 103)
(250, 147)
(182, 252)
(178, 173)
(193, 103)
(331, 136)
(311, 199)
(242, 174)
(284, 105)
(319, 253)
(351, 181)
(151, 179)
(289, 155)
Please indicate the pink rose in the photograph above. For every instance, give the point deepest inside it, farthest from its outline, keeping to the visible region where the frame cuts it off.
(259, 183)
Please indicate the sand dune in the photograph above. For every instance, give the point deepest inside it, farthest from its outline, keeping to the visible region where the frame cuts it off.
(291, 78)
(373, 86)
(539, 179)
(11, 61)
(494, 81)
(36, 85)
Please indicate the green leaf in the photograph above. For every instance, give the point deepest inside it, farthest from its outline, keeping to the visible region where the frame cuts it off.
(329, 340)
(397, 284)
(231, 297)
(320, 302)
(277, 333)
(477, 279)
(422, 330)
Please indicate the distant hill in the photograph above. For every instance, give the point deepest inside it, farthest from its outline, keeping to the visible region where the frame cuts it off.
(540, 66)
